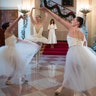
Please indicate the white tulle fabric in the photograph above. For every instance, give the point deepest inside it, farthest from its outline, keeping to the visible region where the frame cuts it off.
(80, 68)
(15, 57)
(37, 36)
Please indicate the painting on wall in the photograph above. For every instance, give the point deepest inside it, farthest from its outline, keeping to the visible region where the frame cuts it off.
(67, 3)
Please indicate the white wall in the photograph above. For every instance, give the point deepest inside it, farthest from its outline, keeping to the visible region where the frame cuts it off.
(90, 18)
(9, 4)
(93, 22)
(13, 4)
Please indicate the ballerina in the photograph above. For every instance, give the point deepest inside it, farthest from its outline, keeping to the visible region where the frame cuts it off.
(79, 73)
(37, 29)
(15, 55)
(37, 35)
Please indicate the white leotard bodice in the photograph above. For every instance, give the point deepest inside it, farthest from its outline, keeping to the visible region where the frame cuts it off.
(11, 41)
(74, 41)
(39, 31)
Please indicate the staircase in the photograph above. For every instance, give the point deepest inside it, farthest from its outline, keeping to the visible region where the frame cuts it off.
(58, 9)
(60, 48)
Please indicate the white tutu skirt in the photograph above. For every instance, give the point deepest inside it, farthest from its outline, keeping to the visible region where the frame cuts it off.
(36, 39)
(11, 62)
(14, 60)
(80, 69)
(27, 50)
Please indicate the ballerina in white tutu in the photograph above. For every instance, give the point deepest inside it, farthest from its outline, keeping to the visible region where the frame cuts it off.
(15, 55)
(80, 67)
(37, 35)
(37, 29)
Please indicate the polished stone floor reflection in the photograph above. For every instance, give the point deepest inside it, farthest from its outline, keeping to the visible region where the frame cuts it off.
(43, 81)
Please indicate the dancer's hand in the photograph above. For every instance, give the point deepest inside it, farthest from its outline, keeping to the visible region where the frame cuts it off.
(22, 16)
(33, 8)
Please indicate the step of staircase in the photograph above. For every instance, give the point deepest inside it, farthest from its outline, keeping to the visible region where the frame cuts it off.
(60, 48)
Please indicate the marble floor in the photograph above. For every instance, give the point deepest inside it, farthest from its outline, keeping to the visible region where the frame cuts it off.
(42, 81)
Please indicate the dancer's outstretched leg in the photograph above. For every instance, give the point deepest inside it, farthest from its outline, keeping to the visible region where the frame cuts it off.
(83, 93)
(24, 80)
(8, 82)
(86, 93)
(59, 90)
(78, 94)
(38, 56)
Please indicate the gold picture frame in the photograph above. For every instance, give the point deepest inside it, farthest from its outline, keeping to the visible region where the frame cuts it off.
(68, 3)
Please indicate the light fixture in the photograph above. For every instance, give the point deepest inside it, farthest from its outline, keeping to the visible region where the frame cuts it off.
(85, 11)
(24, 10)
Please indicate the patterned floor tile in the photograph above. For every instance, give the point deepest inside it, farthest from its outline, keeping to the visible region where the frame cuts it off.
(57, 62)
(54, 67)
(51, 73)
(37, 93)
(45, 83)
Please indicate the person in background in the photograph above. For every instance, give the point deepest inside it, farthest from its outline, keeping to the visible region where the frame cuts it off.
(52, 35)
(79, 73)
(15, 55)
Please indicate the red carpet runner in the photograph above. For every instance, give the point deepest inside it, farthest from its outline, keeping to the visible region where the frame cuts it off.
(60, 48)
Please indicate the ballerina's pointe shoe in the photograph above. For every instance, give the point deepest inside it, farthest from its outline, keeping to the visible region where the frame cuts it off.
(8, 83)
(86, 93)
(79, 94)
(24, 80)
(58, 91)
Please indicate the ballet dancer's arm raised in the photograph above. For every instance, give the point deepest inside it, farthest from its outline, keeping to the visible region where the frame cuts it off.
(73, 27)
(8, 31)
(31, 17)
(45, 19)
(10, 27)
(59, 19)
(38, 18)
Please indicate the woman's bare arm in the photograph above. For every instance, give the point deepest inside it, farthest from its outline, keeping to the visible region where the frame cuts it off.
(59, 19)
(45, 19)
(11, 26)
(31, 17)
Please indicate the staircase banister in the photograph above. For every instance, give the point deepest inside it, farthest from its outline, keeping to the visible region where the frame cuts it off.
(62, 6)
(63, 12)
